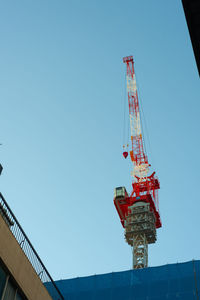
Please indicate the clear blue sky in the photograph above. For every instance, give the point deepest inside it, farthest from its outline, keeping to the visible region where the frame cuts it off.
(61, 103)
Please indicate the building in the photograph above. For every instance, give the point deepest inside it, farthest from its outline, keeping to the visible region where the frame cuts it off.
(170, 282)
(22, 273)
(24, 277)
(192, 15)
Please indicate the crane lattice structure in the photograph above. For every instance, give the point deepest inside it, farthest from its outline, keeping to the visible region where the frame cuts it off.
(139, 211)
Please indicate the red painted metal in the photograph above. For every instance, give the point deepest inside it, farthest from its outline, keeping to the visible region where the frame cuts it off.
(144, 189)
(137, 153)
(125, 154)
(144, 192)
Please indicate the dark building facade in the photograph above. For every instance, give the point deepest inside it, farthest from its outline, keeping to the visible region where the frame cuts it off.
(192, 15)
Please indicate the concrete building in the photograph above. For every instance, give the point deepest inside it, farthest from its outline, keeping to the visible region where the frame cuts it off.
(22, 273)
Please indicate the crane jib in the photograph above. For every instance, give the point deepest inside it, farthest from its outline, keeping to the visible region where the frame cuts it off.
(137, 154)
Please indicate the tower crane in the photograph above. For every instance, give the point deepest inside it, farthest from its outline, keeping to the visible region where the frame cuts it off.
(139, 211)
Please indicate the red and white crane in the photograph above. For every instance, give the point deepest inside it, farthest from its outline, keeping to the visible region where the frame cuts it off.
(138, 212)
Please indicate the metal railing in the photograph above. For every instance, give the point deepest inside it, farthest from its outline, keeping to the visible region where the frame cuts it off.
(27, 247)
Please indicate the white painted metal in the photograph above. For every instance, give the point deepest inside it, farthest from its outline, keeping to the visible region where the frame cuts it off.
(135, 123)
(135, 126)
(140, 230)
(140, 251)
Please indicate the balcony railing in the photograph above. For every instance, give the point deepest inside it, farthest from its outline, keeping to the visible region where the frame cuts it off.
(27, 247)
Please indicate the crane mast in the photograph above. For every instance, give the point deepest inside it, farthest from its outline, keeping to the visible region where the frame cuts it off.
(139, 211)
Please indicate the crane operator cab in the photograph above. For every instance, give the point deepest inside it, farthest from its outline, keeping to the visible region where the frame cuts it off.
(120, 192)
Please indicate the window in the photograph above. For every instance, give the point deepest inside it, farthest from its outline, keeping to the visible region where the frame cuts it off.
(8, 287)
(9, 292)
(18, 297)
(2, 281)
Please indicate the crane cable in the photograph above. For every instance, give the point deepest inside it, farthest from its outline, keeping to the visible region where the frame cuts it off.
(145, 125)
(126, 120)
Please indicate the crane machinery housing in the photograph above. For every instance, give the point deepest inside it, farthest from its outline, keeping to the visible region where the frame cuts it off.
(139, 211)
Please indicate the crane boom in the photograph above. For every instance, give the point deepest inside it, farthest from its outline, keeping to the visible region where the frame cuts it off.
(137, 154)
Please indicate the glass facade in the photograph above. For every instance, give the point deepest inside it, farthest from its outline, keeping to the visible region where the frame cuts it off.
(8, 288)
(2, 281)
